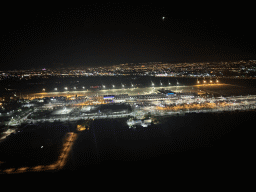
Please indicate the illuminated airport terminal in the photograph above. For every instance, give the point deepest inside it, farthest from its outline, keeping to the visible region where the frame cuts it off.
(134, 102)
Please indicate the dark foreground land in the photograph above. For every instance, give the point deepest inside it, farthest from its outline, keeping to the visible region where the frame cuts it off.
(198, 142)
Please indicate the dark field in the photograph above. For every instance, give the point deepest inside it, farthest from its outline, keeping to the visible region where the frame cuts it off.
(205, 141)
(33, 145)
(35, 85)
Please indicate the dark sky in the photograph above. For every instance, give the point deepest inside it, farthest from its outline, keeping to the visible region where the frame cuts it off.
(37, 36)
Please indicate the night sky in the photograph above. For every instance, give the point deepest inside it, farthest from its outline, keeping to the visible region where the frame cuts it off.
(43, 35)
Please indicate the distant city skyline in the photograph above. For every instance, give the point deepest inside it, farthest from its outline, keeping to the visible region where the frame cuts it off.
(231, 69)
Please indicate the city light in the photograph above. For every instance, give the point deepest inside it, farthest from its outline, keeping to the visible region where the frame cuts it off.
(170, 70)
(66, 104)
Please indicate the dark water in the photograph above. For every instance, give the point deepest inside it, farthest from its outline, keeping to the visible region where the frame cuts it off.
(198, 140)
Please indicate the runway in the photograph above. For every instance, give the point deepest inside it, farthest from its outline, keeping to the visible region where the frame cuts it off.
(129, 91)
(211, 89)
